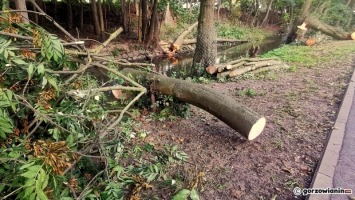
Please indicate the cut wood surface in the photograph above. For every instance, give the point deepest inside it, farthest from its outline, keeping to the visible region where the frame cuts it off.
(242, 119)
(327, 29)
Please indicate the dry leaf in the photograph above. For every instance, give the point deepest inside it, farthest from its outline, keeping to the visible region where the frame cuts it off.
(117, 94)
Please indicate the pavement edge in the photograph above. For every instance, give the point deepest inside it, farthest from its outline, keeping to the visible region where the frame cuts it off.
(324, 174)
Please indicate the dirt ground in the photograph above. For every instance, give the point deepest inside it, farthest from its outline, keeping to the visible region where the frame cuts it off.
(300, 108)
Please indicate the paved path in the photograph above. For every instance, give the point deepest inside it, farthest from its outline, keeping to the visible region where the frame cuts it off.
(337, 166)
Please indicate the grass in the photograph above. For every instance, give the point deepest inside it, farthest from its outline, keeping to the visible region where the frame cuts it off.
(305, 56)
(231, 31)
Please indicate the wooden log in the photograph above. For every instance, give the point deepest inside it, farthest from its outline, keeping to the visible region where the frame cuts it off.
(179, 41)
(211, 69)
(248, 68)
(242, 119)
(236, 65)
(327, 29)
(222, 74)
(243, 59)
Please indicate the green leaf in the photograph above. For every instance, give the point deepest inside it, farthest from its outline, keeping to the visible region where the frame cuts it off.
(44, 82)
(194, 195)
(29, 182)
(2, 135)
(9, 94)
(30, 69)
(27, 165)
(40, 69)
(29, 174)
(39, 191)
(19, 61)
(29, 190)
(35, 168)
(2, 186)
(43, 178)
(182, 195)
(53, 82)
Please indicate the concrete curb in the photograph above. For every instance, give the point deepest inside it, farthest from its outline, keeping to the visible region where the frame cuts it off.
(324, 174)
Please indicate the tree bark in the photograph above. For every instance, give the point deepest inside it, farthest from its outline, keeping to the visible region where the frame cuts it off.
(54, 6)
(95, 17)
(81, 14)
(145, 21)
(266, 18)
(101, 19)
(69, 15)
(21, 5)
(206, 48)
(152, 38)
(123, 15)
(242, 119)
(327, 29)
(292, 35)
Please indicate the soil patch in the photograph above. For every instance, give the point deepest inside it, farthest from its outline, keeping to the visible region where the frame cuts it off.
(300, 108)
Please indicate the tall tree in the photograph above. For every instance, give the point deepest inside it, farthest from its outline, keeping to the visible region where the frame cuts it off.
(145, 20)
(21, 5)
(101, 19)
(69, 15)
(95, 17)
(266, 18)
(152, 36)
(292, 35)
(206, 48)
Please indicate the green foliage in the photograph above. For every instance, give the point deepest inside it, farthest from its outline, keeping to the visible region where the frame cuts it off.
(46, 120)
(247, 92)
(338, 14)
(304, 56)
(227, 30)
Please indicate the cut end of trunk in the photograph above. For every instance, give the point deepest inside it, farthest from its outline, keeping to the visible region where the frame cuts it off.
(257, 128)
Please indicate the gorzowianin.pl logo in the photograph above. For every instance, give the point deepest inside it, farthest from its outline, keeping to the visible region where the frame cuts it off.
(306, 191)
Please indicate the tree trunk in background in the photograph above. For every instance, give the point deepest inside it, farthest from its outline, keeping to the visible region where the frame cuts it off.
(101, 17)
(69, 15)
(123, 15)
(206, 48)
(152, 39)
(139, 26)
(21, 5)
(266, 18)
(300, 19)
(81, 14)
(54, 6)
(145, 20)
(95, 17)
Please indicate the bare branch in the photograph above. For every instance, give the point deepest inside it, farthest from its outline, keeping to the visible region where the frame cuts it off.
(112, 36)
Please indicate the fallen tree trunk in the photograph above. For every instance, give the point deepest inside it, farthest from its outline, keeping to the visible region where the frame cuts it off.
(242, 119)
(179, 41)
(327, 29)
